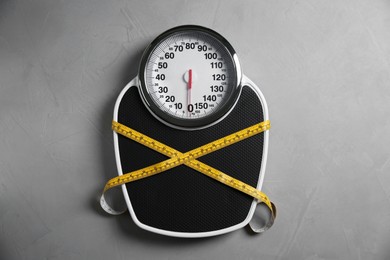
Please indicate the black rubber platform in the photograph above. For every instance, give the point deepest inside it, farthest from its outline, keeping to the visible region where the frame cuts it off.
(182, 199)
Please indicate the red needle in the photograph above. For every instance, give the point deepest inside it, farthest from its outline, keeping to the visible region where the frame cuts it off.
(190, 79)
(189, 89)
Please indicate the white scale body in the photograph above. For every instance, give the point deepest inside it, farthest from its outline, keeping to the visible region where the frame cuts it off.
(190, 80)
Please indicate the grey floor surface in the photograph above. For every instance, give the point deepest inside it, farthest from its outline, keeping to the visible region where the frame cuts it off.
(323, 66)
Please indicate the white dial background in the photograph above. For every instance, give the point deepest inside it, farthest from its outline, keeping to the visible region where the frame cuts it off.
(190, 75)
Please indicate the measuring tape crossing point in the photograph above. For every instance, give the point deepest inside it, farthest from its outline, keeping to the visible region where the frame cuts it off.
(189, 158)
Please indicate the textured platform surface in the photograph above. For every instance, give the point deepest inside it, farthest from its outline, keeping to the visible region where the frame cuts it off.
(182, 199)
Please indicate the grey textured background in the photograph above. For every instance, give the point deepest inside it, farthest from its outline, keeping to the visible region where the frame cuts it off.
(324, 68)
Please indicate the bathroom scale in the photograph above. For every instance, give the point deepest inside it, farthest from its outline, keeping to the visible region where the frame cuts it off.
(191, 138)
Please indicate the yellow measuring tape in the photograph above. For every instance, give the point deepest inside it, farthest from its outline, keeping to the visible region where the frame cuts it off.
(189, 159)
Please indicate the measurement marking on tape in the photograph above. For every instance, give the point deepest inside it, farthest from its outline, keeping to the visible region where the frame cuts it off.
(189, 159)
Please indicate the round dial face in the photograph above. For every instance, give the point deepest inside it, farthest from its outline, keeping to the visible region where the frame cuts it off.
(190, 76)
